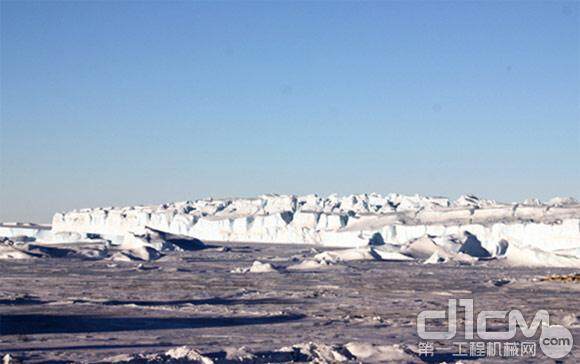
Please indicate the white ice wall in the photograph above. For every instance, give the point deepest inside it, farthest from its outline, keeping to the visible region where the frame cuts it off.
(341, 221)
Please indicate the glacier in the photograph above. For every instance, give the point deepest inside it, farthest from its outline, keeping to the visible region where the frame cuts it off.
(342, 221)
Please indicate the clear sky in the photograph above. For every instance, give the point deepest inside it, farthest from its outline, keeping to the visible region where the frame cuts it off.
(109, 103)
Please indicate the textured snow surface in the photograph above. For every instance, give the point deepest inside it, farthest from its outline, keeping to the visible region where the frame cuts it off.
(310, 352)
(188, 307)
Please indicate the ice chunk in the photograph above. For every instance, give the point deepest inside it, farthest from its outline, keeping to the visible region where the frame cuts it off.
(389, 255)
(425, 247)
(257, 267)
(182, 354)
(8, 250)
(472, 246)
(369, 353)
(190, 355)
(532, 257)
(562, 201)
(149, 244)
(137, 252)
(347, 255)
(320, 353)
(310, 264)
(435, 259)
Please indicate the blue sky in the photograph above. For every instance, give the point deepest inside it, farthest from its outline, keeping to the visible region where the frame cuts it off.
(114, 103)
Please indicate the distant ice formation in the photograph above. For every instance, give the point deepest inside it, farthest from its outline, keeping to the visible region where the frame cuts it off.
(348, 221)
(428, 228)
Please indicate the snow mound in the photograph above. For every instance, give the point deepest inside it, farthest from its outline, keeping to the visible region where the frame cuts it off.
(319, 353)
(188, 354)
(9, 251)
(240, 355)
(347, 255)
(310, 264)
(333, 257)
(388, 255)
(164, 241)
(532, 257)
(257, 267)
(137, 249)
(182, 354)
(18, 250)
(161, 241)
(424, 248)
(443, 249)
(150, 244)
(310, 352)
(369, 353)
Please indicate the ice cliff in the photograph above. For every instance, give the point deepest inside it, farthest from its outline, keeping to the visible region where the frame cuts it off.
(349, 221)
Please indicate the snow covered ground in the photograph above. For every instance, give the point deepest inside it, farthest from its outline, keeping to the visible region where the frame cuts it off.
(81, 310)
